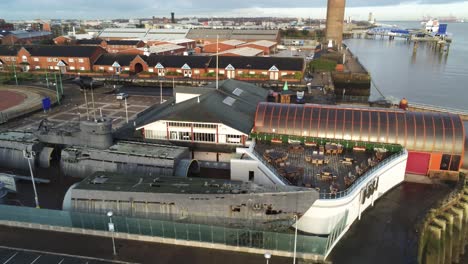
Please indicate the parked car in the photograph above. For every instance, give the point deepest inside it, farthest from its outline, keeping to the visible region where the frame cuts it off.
(121, 96)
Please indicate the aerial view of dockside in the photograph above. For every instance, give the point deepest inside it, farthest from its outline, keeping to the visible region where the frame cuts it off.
(192, 132)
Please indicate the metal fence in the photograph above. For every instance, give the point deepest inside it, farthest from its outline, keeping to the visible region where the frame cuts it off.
(166, 229)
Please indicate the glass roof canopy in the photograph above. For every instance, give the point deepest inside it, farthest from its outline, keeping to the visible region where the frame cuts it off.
(416, 131)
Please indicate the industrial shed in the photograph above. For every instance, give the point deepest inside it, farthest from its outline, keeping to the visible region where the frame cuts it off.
(435, 141)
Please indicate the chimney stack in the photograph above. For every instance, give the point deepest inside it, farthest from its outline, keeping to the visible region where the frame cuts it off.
(172, 18)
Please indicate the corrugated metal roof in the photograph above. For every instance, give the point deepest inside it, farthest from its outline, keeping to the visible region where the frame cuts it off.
(233, 42)
(244, 51)
(164, 48)
(263, 43)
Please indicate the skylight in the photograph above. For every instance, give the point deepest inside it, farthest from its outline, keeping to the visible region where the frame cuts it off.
(229, 100)
(237, 91)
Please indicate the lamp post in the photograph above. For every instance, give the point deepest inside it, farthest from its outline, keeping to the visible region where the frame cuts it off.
(267, 257)
(295, 238)
(29, 155)
(92, 99)
(126, 111)
(112, 230)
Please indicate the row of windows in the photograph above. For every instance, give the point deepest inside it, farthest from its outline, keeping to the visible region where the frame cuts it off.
(56, 60)
(187, 136)
(195, 125)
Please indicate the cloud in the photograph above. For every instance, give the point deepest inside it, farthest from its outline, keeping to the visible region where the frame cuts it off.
(104, 9)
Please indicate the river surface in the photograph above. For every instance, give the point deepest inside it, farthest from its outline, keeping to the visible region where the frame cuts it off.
(426, 76)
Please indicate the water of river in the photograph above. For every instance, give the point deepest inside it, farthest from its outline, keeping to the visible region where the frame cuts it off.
(427, 76)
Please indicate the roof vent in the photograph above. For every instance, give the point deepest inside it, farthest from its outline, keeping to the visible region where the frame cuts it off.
(237, 91)
(229, 101)
(99, 179)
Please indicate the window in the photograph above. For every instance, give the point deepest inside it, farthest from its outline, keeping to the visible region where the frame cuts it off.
(284, 73)
(127, 68)
(49, 59)
(196, 71)
(251, 175)
(37, 67)
(101, 68)
(221, 71)
(72, 68)
(36, 59)
(55, 60)
(150, 70)
(13, 59)
(51, 67)
(111, 69)
(7, 58)
(24, 59)
(233, 139)
(80, 60)
(252, 72)
(71, 60)
(82, 68)
(240, 72)
(204, 137)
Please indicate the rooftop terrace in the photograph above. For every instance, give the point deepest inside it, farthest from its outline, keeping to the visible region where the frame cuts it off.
(330, 168)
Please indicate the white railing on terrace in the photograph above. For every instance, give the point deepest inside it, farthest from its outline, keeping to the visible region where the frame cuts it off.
(368, 174)
(440, 109)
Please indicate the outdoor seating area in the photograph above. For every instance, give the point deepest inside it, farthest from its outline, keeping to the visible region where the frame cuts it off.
(328, 168)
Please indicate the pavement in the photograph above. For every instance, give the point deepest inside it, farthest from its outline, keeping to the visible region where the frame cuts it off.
(73, 108)
(127, 250)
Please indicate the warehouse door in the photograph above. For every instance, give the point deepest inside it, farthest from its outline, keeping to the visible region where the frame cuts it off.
(418, 163)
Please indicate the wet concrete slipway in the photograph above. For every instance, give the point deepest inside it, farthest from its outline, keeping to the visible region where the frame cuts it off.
(387, 232)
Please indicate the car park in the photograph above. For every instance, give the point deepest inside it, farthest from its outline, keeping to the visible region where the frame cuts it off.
(121, 96)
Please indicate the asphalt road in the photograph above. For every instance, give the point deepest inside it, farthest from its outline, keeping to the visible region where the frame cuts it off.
(128, 250)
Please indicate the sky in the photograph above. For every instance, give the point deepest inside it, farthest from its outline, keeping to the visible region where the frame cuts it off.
(105, 9)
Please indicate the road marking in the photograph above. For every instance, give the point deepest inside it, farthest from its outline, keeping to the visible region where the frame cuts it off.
(36, 259)
(61, 255)
(8, 260)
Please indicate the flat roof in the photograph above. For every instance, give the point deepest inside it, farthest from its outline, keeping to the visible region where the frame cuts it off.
(119, 182)
(18, 136)
(233, 42)
(141, 149)
(263, 43)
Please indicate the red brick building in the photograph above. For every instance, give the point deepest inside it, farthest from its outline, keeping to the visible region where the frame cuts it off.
(63, 58)
(267, 46)
(222, 46)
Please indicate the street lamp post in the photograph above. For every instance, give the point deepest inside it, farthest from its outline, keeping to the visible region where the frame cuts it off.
(92, 99)
(126, 109)
(267, 257)
(29, 155)
(295, 239)
(112, 230)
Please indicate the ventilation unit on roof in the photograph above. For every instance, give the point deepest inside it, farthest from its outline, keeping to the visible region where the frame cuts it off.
(237, 91)
(99, 179)
(229, 100)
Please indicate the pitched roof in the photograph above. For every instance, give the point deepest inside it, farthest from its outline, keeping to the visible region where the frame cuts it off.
(29, 34)
(243, 51)
(263, 43)
(7, 50)
(108, 59)
(233, 104)
(260, 63)
(123, 42)
(164, 48)
(233, 42)
(62, 51)
(89, 42)
(177, 61)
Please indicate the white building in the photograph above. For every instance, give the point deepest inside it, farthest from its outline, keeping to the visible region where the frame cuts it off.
(223, 116)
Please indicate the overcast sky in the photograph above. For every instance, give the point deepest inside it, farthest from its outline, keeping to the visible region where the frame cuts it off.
(104, 9)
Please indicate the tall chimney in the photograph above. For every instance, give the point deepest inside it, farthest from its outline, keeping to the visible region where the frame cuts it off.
(335, 18)
(172, 18)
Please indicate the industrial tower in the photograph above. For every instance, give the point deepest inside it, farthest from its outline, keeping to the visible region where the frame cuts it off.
(335, 18)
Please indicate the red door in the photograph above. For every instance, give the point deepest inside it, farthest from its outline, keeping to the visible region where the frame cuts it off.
(418, 163)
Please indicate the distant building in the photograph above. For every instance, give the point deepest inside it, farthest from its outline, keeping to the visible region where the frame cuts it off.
(25, 37)
(5, 26)
(267, 46)
(222, 46)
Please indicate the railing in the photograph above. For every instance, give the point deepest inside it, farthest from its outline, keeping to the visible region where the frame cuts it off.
(234, 237)
(270, 167)
(368, 174)
(439, 109)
